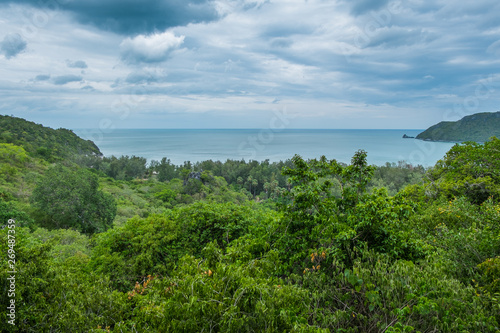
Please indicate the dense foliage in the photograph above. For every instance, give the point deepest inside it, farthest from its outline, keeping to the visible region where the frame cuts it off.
(471, 170)
(44, 142)
(479, 127)
(115, 245)
(71, 199)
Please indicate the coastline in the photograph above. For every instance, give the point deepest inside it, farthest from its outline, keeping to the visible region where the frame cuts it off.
(194, 145)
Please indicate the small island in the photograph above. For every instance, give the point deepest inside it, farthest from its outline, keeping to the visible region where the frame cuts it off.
(479, 127)
(408, 137)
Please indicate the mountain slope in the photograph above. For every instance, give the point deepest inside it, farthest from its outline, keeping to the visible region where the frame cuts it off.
(42, 141)
(478, 127)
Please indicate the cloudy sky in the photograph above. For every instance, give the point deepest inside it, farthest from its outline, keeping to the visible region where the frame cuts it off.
(238, 63)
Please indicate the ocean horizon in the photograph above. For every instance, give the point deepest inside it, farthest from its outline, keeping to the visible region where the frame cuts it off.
(195, 145)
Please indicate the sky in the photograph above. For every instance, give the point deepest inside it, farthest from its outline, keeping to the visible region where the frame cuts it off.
(340, 64)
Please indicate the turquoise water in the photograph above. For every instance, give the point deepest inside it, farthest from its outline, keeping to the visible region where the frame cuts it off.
(248, 144)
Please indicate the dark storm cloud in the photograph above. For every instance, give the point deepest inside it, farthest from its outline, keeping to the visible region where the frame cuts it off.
(12, 45)
(63, 79)
(131, 16)
(77, 64)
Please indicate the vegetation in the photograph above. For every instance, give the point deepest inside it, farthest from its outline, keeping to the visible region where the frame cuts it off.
(70, 199)
(115, 245)
(44, 142)
(479, 127)
(470, 170)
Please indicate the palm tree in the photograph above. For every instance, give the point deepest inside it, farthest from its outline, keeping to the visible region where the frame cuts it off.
(255, 182)
(250, 181)
(267, 188)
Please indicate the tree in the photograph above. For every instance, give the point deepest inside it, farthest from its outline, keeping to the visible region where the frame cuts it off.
(267, 188)
(8, 210)
(255, 182)
(166, 170)
(313, 215)
(71, 200)
(12, 158)
(469, 169)
(250, 182)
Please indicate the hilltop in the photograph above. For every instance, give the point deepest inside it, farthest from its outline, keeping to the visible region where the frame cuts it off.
(42, 141)
(478, 127)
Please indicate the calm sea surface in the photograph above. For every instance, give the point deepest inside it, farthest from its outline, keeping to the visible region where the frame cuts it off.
(199, 145)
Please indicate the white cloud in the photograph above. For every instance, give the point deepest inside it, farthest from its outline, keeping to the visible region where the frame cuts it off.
(151, 48)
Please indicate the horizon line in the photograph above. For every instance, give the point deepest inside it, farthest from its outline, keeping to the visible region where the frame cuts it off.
(260, 129)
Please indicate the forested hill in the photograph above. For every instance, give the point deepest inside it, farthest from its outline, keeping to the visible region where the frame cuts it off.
(42, 141)
(478, 127)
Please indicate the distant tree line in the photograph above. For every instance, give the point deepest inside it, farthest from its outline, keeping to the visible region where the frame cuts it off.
(257, 177)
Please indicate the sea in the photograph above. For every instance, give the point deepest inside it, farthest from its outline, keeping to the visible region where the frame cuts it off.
(195, 145)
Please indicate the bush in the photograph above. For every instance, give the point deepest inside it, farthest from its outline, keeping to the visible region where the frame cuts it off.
(471, 170)
(56, 291)
(220, 294)
(71, 200)
(382, 295)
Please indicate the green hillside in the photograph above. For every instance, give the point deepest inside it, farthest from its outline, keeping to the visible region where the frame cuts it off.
(42, 141)
(478, 127)
(111, 244)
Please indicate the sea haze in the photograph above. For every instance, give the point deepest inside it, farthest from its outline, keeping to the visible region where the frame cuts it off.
(195, 145)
